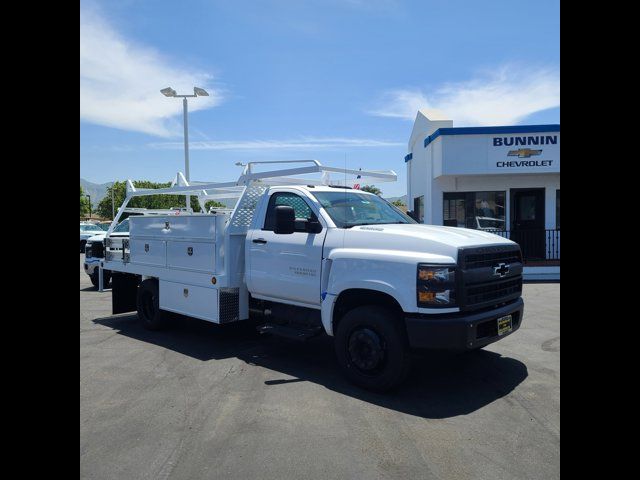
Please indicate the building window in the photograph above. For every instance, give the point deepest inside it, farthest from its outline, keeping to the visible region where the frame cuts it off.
(454, 210)
(558, 209)
(478, 210)
(418, 208)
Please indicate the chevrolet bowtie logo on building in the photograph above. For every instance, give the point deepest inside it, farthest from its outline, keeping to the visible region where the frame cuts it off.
(501, 270)
(523, 152)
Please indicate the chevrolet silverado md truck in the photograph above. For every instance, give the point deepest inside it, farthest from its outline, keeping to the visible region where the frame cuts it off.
(305, 256)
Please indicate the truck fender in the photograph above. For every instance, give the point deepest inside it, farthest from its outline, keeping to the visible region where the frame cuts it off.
(336, 280)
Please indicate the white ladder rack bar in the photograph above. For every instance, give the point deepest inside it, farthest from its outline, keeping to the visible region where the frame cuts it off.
(181, 186)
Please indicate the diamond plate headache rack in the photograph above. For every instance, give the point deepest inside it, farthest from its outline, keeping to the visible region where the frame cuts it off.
(235, 189)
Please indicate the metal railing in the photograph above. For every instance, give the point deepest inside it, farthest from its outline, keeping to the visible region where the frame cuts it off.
(536, 244)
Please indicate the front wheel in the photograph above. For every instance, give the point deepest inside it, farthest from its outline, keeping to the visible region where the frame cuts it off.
(106, 277)
(372, 348)
(148, 305)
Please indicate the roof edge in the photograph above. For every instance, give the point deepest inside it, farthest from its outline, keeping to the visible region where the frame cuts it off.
(498, 129)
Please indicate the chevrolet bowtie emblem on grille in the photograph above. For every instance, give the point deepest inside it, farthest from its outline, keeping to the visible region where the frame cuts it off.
(500, 270)
(523, 153)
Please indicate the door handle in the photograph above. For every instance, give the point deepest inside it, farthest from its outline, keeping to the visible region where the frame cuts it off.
(261, 241)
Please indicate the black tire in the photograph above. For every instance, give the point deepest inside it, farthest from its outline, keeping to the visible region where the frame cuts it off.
(372, 348)
(148, 305)
(82, 245)
(473, 350)
(106, 278)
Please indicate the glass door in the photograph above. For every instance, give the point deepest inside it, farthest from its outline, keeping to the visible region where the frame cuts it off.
(527, 222)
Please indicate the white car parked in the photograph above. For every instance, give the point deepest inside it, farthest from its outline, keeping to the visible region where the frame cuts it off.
(94, 252)
(87, 230)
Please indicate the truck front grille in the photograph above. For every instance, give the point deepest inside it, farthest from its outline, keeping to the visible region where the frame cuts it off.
(481, 286)
(488, 259)
(489, 292)
(95, 250)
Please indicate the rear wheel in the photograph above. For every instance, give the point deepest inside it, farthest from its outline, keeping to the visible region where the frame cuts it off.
(82, 245)
(372, 348)
(148, 304)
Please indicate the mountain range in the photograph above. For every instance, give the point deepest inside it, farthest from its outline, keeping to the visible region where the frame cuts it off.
(403, 198)
(97, 191)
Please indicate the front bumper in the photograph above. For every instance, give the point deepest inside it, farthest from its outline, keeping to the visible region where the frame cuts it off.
(461, 331)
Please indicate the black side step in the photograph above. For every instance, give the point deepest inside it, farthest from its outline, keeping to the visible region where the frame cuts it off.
(293, 333)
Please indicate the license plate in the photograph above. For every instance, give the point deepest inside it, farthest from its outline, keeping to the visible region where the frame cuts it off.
(504, 325)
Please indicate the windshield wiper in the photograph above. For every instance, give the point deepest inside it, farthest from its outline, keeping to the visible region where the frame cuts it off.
(349, 225)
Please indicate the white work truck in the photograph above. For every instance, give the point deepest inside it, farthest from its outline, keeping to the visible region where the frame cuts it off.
(302, 257)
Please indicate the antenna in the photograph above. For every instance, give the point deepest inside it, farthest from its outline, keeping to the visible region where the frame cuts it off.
(345, 169)
(345, 193)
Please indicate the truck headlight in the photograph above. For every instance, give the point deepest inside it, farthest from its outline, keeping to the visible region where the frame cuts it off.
(435, 286)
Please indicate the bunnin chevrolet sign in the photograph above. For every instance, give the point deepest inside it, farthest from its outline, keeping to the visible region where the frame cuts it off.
(538, 152)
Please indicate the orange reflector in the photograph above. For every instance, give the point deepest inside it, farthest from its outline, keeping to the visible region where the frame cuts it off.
(425, 274)
(426, 296)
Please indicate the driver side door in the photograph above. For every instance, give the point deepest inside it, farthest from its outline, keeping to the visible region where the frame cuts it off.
(287, 266)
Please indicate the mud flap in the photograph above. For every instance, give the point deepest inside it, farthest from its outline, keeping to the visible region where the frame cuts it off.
(124, 289)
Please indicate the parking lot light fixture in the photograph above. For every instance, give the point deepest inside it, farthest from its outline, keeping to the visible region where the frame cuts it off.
(168, 92)
(197, 92)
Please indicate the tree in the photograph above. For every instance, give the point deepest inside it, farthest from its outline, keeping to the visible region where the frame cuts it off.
(398, 203)
(371, 189)
(150, 201)
(84, 203)
(213, 203)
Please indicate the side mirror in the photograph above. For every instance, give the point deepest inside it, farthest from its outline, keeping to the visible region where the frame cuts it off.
(285, 219)
(313, 226)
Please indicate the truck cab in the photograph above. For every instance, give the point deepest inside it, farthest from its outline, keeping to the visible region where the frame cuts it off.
(352, 257)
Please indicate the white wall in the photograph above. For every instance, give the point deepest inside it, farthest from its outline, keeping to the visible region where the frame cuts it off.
(476, 154)
(418, 179)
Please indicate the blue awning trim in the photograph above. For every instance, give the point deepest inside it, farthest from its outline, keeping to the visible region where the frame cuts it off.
(490, 130)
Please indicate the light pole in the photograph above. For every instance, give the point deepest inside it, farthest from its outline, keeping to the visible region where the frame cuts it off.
(197, 92)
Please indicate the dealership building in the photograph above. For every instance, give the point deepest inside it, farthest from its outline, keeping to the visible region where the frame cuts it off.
(503, 179)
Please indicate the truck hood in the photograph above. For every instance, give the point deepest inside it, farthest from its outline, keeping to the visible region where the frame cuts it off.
(420, 238)
(86, 235)
(100, 236)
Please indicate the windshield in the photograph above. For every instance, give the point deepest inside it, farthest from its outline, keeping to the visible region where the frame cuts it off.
(488, 222)
(349, 209)
(123, 226)
(90, 228)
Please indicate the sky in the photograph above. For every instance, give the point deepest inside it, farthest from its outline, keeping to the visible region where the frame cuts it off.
(339, 81)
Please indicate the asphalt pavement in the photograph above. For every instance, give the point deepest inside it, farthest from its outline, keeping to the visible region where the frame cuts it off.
(203, 401)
